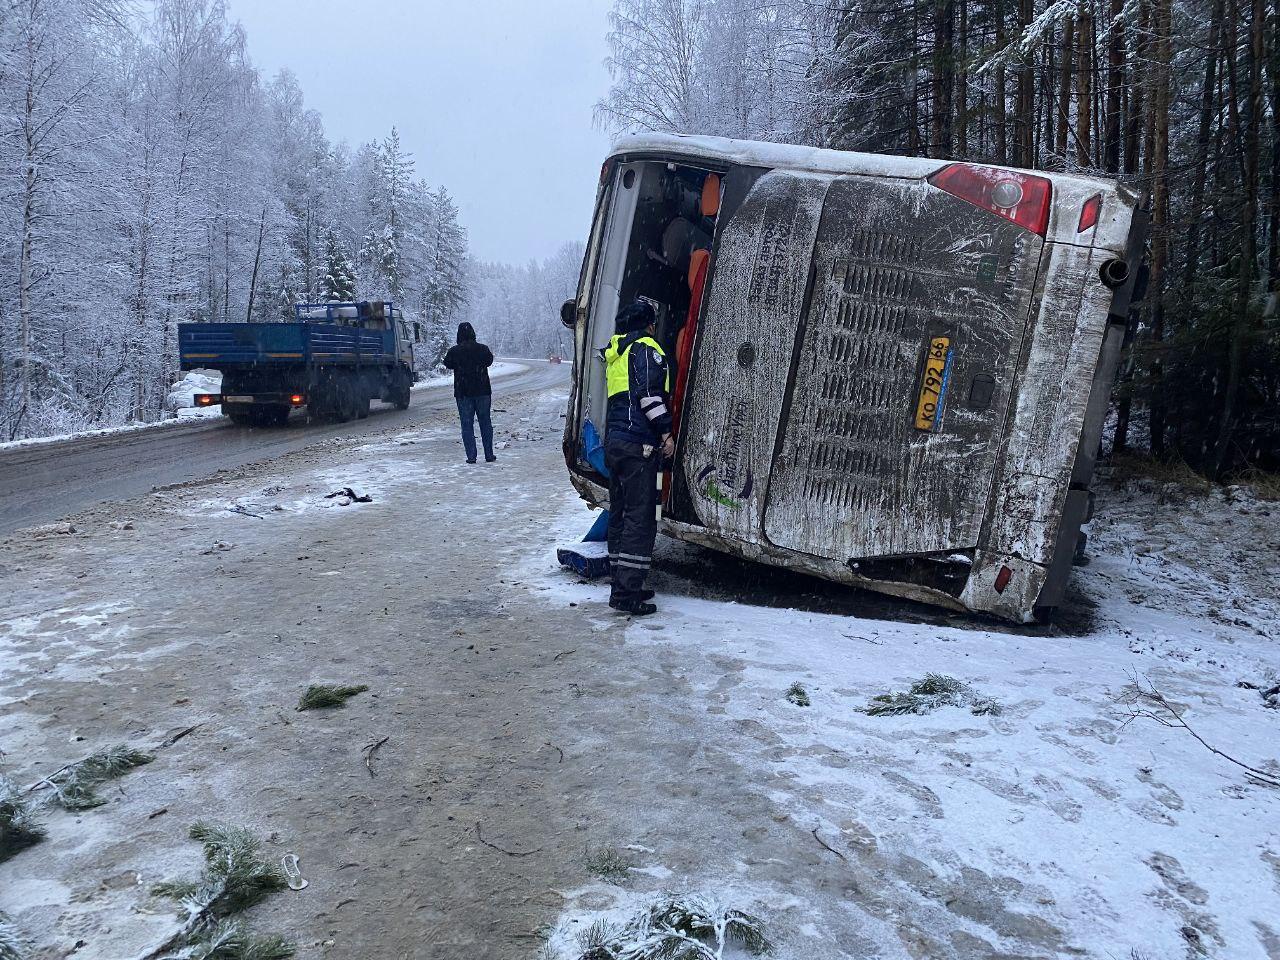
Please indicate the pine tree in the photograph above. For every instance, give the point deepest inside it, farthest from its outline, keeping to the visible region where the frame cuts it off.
(339, 281)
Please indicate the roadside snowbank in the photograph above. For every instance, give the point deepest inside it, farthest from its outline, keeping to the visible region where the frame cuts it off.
(1064, 825)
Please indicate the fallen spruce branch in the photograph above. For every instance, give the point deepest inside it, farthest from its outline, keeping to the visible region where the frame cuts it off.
(74, 785)
(319, 696)
(688, 927)
(236, 876)
(797, 694)
(19, 827)
(925, 696)
(1146, 702)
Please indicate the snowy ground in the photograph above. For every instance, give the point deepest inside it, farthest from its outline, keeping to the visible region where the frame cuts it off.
(530, 728)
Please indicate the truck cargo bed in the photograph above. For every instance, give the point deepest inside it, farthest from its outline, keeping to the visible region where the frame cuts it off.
(280, 344)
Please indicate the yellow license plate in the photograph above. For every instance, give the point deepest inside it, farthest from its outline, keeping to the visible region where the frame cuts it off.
(934, 384)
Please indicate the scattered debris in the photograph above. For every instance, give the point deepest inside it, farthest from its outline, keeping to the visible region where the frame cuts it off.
(173, 738)
(824, 843)
(348, 496)
(292, 872)
(494, 846)
(369, 749)
(925, 696)
(19, 827)
(121, 524)
(236, 876)
(237, 508)
(319, 696)
(607, 863)
(12, 945)
(687, 927)
(45, 529)
(1268, 689)
(798, 695)
(73, 785)
(1142, 700)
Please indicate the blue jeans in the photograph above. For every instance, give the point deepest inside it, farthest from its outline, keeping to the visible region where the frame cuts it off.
(469, 410)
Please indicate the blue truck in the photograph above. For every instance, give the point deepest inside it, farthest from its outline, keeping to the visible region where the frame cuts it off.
(333, 359)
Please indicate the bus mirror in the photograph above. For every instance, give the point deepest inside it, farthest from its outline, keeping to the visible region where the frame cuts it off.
(417, 333)
(569, 313)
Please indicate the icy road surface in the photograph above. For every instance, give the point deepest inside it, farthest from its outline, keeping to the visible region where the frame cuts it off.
(42, 480)
(528, 728)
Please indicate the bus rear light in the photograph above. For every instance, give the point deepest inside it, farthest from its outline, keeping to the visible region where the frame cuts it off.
(1089, 213)
(1003, 576)
(1017, 197)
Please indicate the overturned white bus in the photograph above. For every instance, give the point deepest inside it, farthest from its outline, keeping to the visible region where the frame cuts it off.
(890, 372)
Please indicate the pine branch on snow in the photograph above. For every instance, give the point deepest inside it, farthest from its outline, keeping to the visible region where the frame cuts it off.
(74, 785)
(236, 876)
(798, 695)
(676, 928)
(925, 696)
(320, 695)
(19, 828)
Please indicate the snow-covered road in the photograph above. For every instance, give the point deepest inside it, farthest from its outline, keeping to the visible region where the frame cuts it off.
(529, 729)
(42, 480)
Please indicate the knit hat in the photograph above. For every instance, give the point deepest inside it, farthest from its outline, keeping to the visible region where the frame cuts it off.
(636, 316)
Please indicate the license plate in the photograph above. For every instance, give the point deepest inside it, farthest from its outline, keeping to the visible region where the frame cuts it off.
(933, 386)
(237, 399)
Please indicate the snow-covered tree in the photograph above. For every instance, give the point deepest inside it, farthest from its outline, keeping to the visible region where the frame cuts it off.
(338, 282)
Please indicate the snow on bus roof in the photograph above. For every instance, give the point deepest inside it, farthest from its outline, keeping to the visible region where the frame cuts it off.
(757, 153)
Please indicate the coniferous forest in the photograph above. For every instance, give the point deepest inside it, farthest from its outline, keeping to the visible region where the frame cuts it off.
(1179, 100)
(151, 176)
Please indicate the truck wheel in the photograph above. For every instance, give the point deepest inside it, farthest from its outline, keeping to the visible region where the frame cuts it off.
(400, 393)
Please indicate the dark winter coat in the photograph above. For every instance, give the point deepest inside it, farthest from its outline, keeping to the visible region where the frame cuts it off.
(470, 362)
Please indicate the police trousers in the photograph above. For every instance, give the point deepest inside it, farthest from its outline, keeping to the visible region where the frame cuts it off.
(633, 521)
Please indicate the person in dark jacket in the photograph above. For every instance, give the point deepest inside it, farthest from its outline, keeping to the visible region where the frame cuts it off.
(470, 362)
(637, 440)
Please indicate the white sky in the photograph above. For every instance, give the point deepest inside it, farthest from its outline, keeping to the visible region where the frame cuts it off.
(492, 97)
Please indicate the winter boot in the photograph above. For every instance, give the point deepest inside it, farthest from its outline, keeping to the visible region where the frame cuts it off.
(637, 607)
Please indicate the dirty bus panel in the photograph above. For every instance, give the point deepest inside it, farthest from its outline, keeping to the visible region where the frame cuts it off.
(891, 372)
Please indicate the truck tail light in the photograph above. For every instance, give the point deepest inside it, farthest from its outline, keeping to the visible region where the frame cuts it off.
(297, 399)
(207, 399)
(1017, 197)
(1089, 213)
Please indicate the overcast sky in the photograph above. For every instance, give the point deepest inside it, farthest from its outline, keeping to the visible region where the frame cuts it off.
(493, 98)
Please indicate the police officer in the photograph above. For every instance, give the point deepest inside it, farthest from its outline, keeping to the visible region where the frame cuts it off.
(637, 440)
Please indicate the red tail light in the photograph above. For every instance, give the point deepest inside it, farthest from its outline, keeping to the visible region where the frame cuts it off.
(205, 399)
(1017, 197)
(1089, 213)
(1003, 576)
(297, 399)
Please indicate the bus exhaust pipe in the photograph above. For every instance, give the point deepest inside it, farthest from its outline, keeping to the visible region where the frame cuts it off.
(1115, 273)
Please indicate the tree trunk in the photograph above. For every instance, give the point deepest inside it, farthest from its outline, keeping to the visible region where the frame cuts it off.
(1115, 81)
(1064, 88)
(1249, 242)
(1084, 91)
